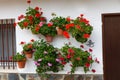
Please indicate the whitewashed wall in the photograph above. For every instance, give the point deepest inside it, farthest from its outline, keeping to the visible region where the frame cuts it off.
(92, 9)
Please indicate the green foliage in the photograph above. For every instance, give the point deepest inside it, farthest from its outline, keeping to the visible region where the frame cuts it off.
(45, 30)
(31, 19)
(59, 22)
(78, 57)
(28, 47)
(45, 58)
(18, 57)
(82, 27)
(79, 28)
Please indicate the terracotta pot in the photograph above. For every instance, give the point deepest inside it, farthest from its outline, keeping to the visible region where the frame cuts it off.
(21, 64)
(28, 54)
(59, 31)
(49, 38)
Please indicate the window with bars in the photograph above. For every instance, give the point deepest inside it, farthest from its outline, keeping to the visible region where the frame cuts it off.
(7, 42)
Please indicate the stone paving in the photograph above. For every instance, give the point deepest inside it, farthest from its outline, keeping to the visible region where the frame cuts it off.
(52, 77)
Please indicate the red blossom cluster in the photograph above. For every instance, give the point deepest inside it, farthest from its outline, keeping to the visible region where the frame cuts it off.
(21, 17)
(28, 1)
(68, 26)
(66, 34)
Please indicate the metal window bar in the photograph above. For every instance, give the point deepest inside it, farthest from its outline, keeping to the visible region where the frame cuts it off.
(8, 45)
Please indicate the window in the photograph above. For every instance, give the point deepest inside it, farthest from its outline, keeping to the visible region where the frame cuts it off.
(7, 41)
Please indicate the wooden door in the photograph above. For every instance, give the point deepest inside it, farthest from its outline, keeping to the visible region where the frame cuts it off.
(111, 46)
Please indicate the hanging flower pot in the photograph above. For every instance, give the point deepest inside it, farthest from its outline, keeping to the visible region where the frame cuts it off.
(28, 54)
(59, 31)
(20, 59)
(21, 64)
(49, 38)
(28, 49)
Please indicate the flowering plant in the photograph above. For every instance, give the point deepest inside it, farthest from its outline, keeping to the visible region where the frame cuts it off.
(59, 23)
(18, 57)
(77, 57)
(32, 19)
(48, 29)
(46, 58)
(27, 46)
(80, 29)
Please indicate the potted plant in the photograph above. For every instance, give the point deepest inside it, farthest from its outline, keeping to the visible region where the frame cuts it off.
(28, 48)
(20, 59)
(46, 58)
(59, 23)
(31, 20)
(77, 57)
(48, 30)
(81, 30)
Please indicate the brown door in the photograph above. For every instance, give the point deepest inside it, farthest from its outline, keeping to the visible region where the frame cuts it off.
(111, 46)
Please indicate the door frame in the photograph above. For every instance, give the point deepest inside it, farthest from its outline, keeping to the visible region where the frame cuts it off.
(103, 45)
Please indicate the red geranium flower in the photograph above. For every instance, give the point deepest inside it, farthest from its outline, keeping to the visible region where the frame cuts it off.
(93, 70)
(32, 40)
(68, 19)
(21, 17)
(37, 15)
(15, 24)
(61, 58)
(22, 42)
(89, 58)
(70, 50)
(66, 34)
(68, 56)
(86, 36)
(87, 65)
(96, 60)
(81, 15)
(30, 18)
(36, 8)
(63, 63)
(82, 46)
(68, 26)
(42, 18)
(50, 24)
(25, 24)
(84, 20)
(41, 13)
(37, 28)
(90, 50)
(30, 46)
(28, 1)
(78, 27)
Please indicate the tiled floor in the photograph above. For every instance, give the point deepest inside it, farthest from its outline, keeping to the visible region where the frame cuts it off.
(52, 77)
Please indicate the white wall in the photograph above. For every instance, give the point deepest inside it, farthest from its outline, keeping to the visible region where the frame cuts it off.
(92, 9)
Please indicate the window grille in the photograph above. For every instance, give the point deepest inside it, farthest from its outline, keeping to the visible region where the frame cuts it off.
(7, 42)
